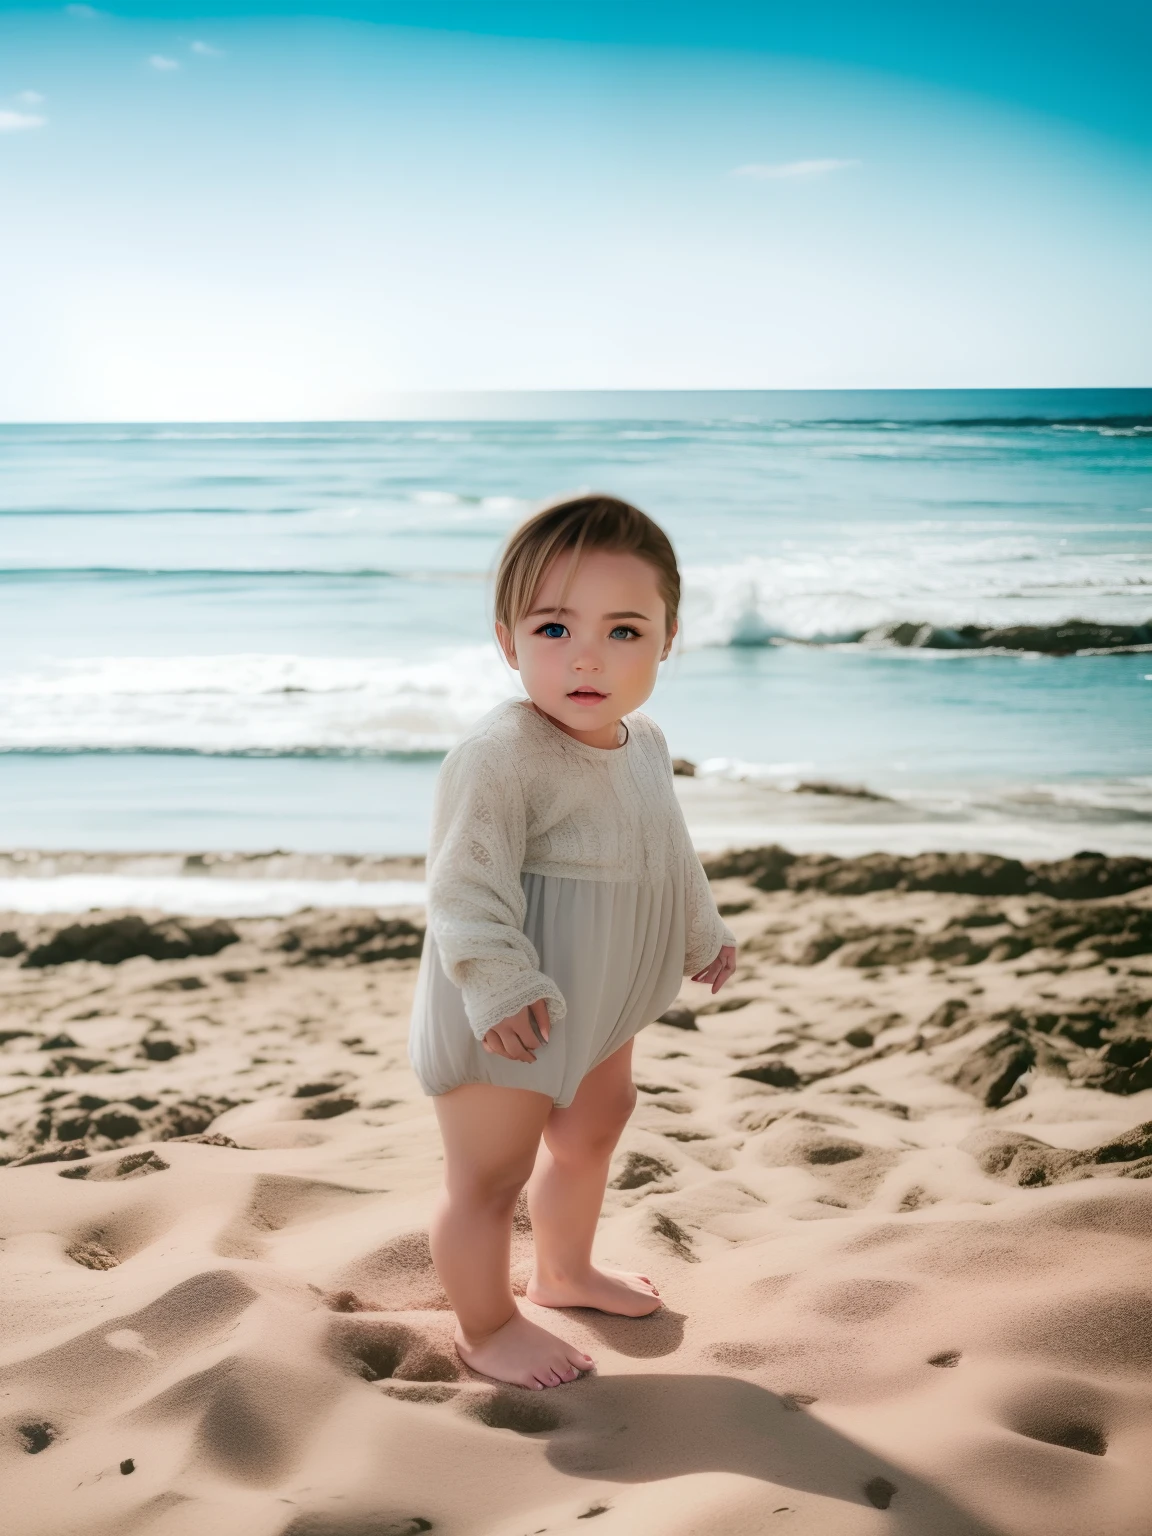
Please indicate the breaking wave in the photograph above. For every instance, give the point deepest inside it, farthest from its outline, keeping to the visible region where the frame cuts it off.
(984, 583)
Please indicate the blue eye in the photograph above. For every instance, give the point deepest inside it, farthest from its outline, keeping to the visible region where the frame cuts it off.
(624, 631)
(552, 631)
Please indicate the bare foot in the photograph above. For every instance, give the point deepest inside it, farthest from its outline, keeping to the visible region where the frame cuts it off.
(524, 1354)
(608, 1290)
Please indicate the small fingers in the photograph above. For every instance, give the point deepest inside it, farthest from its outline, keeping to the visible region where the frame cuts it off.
(722, 978)
(520, 1038)
(539, 1020)
(526, 1035)
(518, 1048)
(498, 1044)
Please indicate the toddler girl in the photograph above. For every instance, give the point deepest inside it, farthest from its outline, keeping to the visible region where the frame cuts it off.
(565, 906)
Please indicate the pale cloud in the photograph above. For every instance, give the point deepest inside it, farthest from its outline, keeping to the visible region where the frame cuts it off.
(791, 168)
(83, 12)
(19, 122)
(162, 61)
(28, 98)
(205, 50)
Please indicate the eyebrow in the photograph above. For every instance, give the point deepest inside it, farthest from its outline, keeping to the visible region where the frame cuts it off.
(627, 615)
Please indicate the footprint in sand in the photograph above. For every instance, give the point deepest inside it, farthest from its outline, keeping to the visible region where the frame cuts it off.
(1063, 1411)
(380, 1349)
(120, 1235)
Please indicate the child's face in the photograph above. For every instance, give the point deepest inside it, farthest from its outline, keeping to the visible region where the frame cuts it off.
(596, 659)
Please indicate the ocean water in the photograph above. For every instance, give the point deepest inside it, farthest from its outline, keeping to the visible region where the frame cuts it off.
(253, 637)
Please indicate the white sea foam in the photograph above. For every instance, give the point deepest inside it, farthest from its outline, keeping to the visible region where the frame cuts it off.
(197, 896)
(836, 595)
(252, 703)
(278, 704)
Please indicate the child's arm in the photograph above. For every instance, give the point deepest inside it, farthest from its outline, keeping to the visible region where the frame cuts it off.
(710, 953)
(476, 903)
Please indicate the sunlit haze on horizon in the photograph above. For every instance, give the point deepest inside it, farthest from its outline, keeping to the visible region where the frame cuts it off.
(274, 216)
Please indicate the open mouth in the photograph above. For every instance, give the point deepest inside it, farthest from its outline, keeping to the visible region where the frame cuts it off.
(587, 696)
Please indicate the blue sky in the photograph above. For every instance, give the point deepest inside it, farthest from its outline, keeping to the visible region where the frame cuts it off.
(274, 213)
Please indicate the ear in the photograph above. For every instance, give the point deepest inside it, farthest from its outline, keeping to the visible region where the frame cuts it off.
(664, 654)
(507, 645)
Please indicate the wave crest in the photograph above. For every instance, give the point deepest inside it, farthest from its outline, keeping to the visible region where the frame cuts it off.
(991, 583)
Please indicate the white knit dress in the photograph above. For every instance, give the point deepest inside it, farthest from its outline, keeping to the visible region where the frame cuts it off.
(559, 871)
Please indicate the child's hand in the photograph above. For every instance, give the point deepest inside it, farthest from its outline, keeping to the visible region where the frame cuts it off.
(721, 968)
(518, 1036)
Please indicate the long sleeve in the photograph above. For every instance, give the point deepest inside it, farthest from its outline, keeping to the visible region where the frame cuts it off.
(706, 930)
(476, 904)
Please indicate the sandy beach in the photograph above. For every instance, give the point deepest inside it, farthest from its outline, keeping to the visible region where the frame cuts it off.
(772, 380)
(892, 1184)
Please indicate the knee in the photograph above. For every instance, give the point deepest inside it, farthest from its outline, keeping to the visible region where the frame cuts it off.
(593, 1135)
(624, 1105)
(493, 1188)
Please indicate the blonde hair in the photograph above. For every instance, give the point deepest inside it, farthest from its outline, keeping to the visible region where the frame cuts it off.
(578, 524)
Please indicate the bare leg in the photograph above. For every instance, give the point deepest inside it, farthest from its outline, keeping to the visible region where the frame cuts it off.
(566, 1192)
(490, 1139)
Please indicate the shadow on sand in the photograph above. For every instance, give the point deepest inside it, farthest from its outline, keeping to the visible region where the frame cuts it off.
(638, 1429)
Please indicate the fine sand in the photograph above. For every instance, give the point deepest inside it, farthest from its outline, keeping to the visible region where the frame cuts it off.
(894, 1183)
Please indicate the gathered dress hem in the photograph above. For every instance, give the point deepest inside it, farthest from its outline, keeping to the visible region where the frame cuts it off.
(614, 948)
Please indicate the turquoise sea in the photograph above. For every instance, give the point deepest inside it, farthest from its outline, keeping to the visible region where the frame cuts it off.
(263, 636)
